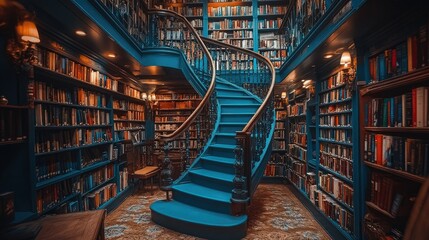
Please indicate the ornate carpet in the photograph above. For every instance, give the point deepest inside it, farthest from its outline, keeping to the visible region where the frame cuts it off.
(275, 213)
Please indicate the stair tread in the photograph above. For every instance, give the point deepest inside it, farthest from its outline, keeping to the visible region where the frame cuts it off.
(228, 96)
(228, 134)
(233, 123)
(220, 145)
(213, 174)
(237, 113)
(189, 213)
(218, 159)
(203, 192)
(240, 104)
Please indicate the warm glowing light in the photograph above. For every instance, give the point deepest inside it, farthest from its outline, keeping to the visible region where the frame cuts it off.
(327, 56)
(144, 96)
(28, 31)
(345, 58)
(80, 33)
(111, 55)
(283, 95)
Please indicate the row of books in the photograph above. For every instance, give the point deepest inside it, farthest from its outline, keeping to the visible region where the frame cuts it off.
(298, 152)
(244, 43)
(230, 24)
(277, 158)
(410, 109)
(54, 141)
(333, 81)
(77, 96)
(402, 58)
(281, 115)
(335, 95)
(340, 165)
(297, 167)
(270, 9)
(279, 144)
(96, 154)
(296, 179)
(135, 136)
(178, 104)
(269, 23)
(64, 65)
(298, 127)
(196, 23)
(336, 120)
(234, 65)
(339, 190)
(337, 150)
(406, 154)
(274, 54)
(123, 179)
(54, 165)
(178, 96)
(339, 135)
(336, 108)
(331, 208)
(390, 194)
(129, 115)
(125, 105)
(297, 109)
(230, 11)
(275, 170)
(271, 43)
(299, 138)
(279, 134)
(120, 126)
(163, 119)
(12, 124)
(51, 115)
(91, 180)
(187, 11)
(50, 196)
(234, 34)
(95, 199)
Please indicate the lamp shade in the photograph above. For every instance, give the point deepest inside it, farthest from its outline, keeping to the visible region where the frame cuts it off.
(144, 96)
(28, 31)
(283, 95)
(345, 58)
(153, 96)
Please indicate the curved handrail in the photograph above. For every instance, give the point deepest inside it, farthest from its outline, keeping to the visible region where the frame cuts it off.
(252, 122)
(187, 123)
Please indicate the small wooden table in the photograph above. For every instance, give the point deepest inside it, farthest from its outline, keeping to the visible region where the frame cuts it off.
(88, 225)
(148, 172)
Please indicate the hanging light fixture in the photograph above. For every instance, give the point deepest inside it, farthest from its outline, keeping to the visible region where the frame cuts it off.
(346, 58)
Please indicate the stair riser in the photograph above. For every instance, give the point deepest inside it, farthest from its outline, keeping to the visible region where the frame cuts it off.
(239, 109)
(213, 183)
(230, 128)
(224, 139)
(238, 118)
(201, 202)
(232, 92)
(221, 152)
(230, 100)
(218, 166)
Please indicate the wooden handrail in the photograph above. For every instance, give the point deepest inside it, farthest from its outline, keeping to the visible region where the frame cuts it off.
(186, 124)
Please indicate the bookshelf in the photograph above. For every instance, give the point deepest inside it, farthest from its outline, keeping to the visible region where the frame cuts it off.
(79, 126)
(247, 24)
(297, 138)
(394, 127)
(173, 108)
(276, 166)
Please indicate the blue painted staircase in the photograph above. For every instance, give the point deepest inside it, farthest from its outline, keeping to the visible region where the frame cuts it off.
(201, 197)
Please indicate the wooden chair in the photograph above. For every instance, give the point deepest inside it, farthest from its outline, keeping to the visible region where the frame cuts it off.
(144, 167)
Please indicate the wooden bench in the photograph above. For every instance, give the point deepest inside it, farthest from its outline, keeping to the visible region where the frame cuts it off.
(145, 173)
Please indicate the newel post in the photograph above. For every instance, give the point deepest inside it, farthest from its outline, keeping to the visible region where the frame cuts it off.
(240, 194)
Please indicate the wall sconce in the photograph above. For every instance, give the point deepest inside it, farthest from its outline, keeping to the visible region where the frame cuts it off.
(349, 72)
(144, 96)
(21, 32)
(283, 96)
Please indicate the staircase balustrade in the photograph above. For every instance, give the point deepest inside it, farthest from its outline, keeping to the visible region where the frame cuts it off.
(168, 29)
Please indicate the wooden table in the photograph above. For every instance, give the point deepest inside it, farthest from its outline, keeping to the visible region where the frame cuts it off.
(88, 225)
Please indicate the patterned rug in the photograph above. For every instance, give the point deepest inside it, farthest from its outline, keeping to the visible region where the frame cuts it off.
(275, 213)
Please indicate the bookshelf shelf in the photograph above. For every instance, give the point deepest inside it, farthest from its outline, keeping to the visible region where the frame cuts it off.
(11, 142)
(336, 174)
(94, 166)
(408, 130)
(410, 79)
(332, 88)
(395, 172)
(336, 102)
(335, 127)
(127, 120)
(72, 148)
(64, 200)
(297, 158)
(97, 187)
(334, 113)
(349, 208)
(51, 128)
(13, 106)
(56, 179)
(376, 208)
(335, 142)
(70, 105)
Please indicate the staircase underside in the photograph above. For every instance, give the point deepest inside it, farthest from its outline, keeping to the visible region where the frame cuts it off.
(201, 197)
